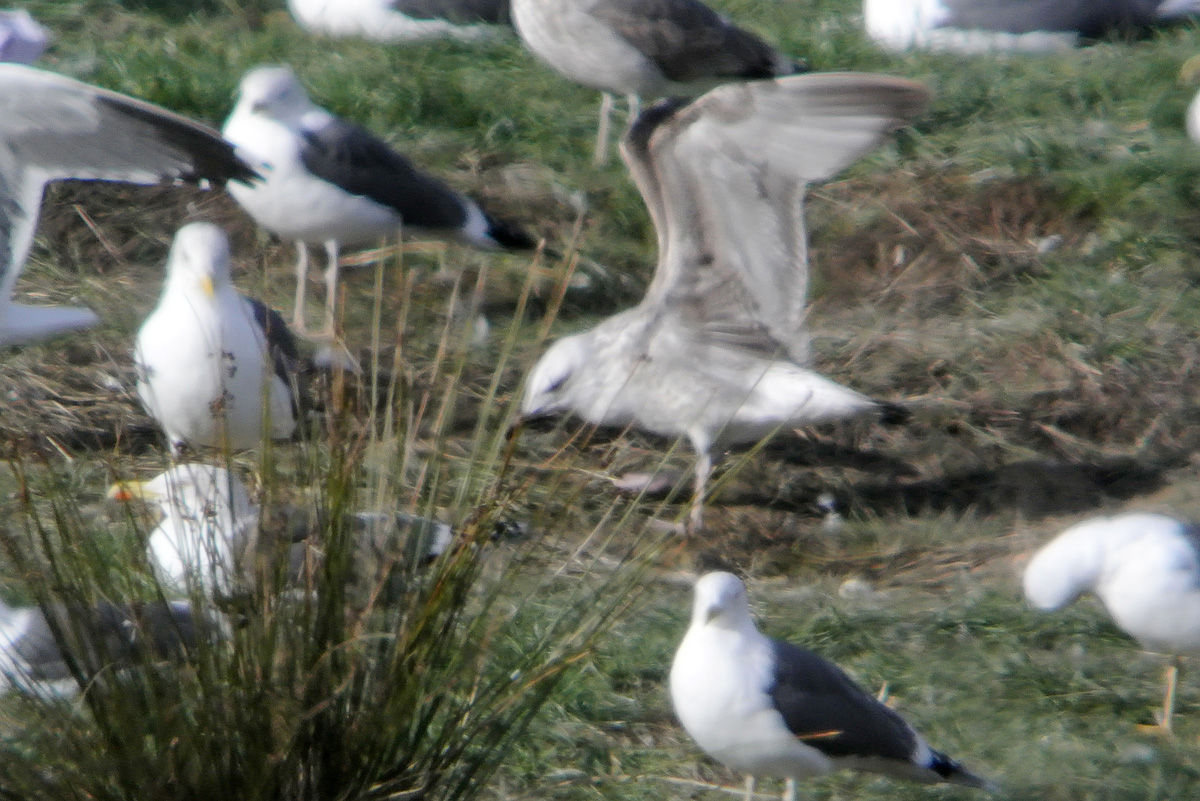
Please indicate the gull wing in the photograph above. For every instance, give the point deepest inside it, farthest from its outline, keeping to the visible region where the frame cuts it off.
(53, 127)
(724, 178)
(687, 40)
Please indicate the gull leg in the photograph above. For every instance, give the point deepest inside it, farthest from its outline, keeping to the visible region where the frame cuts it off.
(749, 787)
(600, 156)
(704, 469)
(789, 790)
(1168, 710)
(301, 287)
(331, 279)
(634, 104)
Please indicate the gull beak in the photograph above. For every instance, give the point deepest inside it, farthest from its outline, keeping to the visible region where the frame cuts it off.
(206, 285)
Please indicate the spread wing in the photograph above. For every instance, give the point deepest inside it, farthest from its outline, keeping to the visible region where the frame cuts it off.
(53, 127)
(724, 179)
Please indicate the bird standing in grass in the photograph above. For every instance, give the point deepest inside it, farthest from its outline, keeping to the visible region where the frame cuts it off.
(972, 26)
(1144, 568)
(766, 707)
(215, 369)
(643, 49)
(328, 181)
(716, 351)
(403, 20)
(33, 658)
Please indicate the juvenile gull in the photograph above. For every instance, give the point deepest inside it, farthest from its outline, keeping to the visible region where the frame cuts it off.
(32, 657)
(1144, 568)
(52, 128)
(1028, 25)
(715, 351)
(766, 707)
(215, 369)
(328, 181)
(403, 20)
(643, 48)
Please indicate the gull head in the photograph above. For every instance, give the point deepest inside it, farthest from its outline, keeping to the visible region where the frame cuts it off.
(200, 258)
(548, 388)
(273, 92)
(199, 494)
(721, 601)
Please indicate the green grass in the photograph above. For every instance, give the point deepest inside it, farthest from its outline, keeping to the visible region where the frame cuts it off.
(1051, 384)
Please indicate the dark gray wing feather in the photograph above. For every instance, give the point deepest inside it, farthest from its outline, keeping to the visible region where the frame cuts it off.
(829, 712)
(362, 164)
(460, 12)
(1090, 18)
(688, 41)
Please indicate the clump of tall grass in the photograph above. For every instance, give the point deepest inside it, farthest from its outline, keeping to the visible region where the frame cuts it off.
(326, 689)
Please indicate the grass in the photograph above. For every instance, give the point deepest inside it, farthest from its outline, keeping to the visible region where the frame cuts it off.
(1022, 263)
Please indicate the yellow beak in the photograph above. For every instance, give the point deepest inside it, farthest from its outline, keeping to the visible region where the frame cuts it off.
(206, 285)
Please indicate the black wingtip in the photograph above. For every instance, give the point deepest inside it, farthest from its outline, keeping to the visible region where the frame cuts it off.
(954, 773)
(510, 236)
(893, 414)
(651, 118)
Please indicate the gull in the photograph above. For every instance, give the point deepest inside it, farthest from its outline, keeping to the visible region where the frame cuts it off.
(766, 707)
(1144, 568)
(34, 646)
(215, 369)
(53, 128)
(973, 26)
(328, 181)
(403, 20)
(212, 540)
(715, 351)
(643, 48)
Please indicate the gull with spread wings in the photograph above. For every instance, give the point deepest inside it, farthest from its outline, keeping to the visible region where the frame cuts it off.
(52, 128)
(716, 349)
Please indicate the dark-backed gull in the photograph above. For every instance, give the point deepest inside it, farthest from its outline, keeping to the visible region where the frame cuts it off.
(1029, 25)
(328, 181)
(643, 49)
(765, 707)
(403, 20)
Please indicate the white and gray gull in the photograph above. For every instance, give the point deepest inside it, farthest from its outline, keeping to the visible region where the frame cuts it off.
(329, 181)
(71, 647)
(716, 351)
(643, 49)
(1025, 25)
(766, 707)
(54, 128)
(1144, 568)
(215, 369)
(403, 20)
